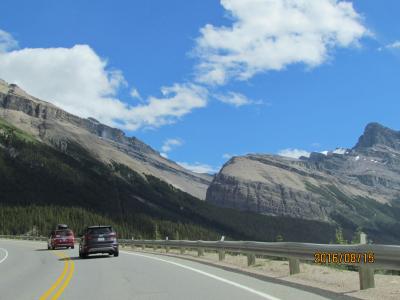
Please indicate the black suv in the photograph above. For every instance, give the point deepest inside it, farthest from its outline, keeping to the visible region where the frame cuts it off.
(98, 239)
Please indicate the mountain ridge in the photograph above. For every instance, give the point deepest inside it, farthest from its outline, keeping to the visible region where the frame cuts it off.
(42, 186)
(57, 127)
(358, 186)
(50, 157)
(377, 134)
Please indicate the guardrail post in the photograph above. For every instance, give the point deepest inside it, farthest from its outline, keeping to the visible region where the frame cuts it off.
(367, 279)
(251, 259)
(294, 266)
(133, 246)
(221, 254)
(365, 272)
(200, 252)
(182, 250)
(166, 247)
(143, 246)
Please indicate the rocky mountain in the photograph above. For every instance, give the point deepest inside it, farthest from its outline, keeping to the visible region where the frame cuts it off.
(58, 168)
(353, 187)
(58, 128)
(49, 175)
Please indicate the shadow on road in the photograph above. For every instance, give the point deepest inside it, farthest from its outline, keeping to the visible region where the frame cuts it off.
(45, 249)
(89, 257)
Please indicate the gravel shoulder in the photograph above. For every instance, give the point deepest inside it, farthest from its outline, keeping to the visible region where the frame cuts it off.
(341, 282)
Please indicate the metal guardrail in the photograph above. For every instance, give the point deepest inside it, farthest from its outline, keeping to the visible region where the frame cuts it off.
(378, 256)
(367, 257)
(29, 238)
(24, 237)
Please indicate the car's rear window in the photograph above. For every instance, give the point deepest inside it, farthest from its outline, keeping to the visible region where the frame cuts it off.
(100, 230)
(63, 232)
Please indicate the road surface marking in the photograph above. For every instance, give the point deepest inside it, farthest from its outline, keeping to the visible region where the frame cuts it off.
(238, 285)
(5, 256)
(66, 282)
(57, 283)
(68, 272)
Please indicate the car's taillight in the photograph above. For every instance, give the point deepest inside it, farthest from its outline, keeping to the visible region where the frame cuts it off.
(113, 236)
(88, 237)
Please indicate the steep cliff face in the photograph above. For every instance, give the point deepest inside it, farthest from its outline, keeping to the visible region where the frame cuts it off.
(58, 128)
(377, 135)
(359, 185)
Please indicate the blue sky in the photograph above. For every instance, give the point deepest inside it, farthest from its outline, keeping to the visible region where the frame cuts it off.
(252, 81)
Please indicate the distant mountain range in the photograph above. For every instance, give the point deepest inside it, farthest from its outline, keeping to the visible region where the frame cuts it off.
(56, 167)
(58, 128)
(353, 187)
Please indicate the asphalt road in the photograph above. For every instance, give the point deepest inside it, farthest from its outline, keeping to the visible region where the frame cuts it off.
(29, 271)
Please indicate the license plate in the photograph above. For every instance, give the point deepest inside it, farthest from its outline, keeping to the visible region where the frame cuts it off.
(101, 239)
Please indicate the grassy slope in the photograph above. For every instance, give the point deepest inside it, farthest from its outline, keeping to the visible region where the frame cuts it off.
(380, 221)
(41, 186)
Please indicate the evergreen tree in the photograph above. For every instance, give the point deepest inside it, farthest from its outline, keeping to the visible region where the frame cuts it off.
(339, 239)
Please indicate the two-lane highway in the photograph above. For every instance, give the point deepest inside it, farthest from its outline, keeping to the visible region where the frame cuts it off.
(29, 271)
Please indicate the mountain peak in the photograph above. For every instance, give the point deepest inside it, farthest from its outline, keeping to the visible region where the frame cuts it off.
(377, 134)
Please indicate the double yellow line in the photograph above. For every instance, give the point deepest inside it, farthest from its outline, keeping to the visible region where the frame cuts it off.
(55, 291)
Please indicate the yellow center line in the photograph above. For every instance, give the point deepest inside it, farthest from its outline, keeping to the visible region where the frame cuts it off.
(66, 282)
(69, 267)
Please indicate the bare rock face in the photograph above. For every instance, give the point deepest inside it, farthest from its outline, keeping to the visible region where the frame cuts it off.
(376, 134)
(57, 127)
(350, 183)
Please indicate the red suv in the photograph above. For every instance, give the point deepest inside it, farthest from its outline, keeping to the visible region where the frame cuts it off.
(61, 238)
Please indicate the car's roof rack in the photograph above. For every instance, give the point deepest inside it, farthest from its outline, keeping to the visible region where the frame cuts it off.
(99, 226)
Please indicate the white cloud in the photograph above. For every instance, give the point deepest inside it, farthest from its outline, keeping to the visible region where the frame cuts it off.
(294, 153)
(227, 155)
(198, 167)
(169, 145)
(272, 34)
(79, 81)
(7, 42)
(235, 99)
(395, 45)
(135, 94)
(177, 101)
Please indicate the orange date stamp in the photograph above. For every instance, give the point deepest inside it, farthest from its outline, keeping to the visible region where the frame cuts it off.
(344, 258)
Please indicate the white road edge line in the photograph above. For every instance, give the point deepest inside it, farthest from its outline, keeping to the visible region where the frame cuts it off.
(5, 257)
(235, 284)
